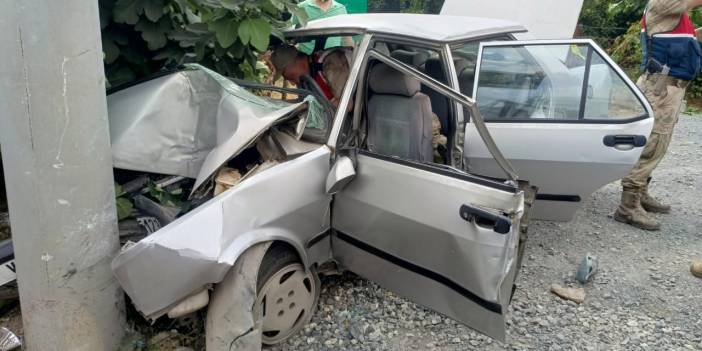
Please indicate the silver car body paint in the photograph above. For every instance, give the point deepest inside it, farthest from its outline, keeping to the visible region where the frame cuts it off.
(388, 231)
(173, 124)
(427, 28)
(555, 155)
(287, 202)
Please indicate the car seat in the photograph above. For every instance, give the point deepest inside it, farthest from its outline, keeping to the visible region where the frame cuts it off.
(399, 116)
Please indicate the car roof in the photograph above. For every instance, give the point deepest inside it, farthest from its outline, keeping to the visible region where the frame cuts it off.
(437, 28)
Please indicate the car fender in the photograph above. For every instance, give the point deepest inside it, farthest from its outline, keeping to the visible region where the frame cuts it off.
(287, 202)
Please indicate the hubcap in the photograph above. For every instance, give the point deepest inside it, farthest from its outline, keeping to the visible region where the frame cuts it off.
(285, 303)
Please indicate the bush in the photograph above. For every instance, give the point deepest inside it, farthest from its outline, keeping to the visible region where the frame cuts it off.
(140, 37)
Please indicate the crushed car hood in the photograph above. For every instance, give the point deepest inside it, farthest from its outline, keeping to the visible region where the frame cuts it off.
(187, 123)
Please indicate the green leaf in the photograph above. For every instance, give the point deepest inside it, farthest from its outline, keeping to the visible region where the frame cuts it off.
(124, 208)
(255, 31)
(119, 191)
(110, 50)
(127, 11)
(105, 11)
(153, 9)
(199, 51)
(200, 28)
(154, 33)
(225, 30)
(133, 55)
(301, 15)
(233, 5)
(117, 76)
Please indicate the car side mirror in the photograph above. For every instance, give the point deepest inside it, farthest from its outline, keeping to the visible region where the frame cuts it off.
(340, 175)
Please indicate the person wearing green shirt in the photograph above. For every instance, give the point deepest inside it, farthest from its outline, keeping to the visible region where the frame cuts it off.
(317, 9)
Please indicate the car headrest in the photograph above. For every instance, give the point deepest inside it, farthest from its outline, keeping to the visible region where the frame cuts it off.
(412, 58)
(434, 67)
(387, 80)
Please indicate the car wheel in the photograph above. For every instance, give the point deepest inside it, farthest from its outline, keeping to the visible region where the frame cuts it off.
(287, 294)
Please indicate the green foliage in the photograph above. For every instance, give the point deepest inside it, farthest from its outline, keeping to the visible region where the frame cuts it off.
(140, 37)
(124, 205)
(170, 196)
(626, 50)
(609, 19)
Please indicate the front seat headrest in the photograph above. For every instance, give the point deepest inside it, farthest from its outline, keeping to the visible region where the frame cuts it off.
(387, 80)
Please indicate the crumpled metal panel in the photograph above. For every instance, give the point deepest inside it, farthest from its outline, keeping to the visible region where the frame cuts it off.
(286, 202)
(172, 124)
(231, 323)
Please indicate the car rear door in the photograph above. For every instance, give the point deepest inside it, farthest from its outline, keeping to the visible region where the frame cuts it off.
(436, 235)
(566, 117)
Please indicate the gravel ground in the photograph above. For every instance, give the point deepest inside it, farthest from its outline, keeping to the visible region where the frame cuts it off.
(643, 297)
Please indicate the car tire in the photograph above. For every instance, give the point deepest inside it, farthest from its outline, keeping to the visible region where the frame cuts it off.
(287, 294)
(236, 318)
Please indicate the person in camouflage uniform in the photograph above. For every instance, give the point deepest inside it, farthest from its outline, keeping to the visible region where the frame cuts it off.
(671, 59)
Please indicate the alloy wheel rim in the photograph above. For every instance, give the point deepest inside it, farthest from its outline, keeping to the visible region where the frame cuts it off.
(285, 303)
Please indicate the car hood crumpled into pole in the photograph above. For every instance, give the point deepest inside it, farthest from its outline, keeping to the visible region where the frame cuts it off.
(187, 123)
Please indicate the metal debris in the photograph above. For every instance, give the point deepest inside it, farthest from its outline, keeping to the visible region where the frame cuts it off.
(8, 340)
(164, 214)
(587, 268)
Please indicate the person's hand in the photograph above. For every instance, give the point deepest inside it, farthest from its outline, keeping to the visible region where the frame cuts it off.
(698, 34)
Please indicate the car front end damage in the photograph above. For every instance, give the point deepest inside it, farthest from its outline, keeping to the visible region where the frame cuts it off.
(239, 172)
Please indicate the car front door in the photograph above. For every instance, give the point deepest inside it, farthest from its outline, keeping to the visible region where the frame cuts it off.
(431, 233)
(563, 113)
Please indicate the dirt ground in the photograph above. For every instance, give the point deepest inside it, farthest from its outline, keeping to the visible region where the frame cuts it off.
(642, 298)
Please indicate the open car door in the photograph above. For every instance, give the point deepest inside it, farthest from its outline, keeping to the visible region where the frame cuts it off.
(567, 118)
(431, 233)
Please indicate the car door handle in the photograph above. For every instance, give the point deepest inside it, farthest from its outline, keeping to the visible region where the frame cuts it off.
(483, 218)
(624, 142)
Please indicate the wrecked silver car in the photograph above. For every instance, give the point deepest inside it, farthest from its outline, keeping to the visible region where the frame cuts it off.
(399, 190)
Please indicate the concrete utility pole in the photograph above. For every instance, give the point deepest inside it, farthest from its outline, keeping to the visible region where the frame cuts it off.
(58, 170)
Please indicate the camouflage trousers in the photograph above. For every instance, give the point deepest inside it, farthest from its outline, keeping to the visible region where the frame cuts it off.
(666, 106)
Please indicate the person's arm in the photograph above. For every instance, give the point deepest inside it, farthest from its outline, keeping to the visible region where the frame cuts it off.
(691, 4)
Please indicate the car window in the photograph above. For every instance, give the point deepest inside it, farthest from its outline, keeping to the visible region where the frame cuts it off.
(465, 57)
(558, 82)
(608, 97)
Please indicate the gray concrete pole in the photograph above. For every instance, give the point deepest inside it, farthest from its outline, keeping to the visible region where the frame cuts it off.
(58, 171)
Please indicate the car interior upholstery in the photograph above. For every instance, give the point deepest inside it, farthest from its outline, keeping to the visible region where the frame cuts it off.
(399, 115)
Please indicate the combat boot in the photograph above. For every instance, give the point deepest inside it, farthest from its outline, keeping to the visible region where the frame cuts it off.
(631, 212)
(650, 204)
